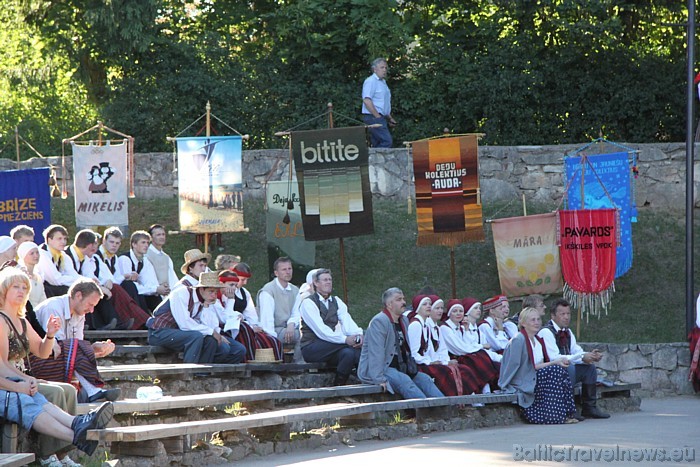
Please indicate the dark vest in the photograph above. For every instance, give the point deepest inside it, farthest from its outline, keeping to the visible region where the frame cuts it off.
(163, 318)
(111, 263)
(328, 315)
(564, 347)
(135, 267)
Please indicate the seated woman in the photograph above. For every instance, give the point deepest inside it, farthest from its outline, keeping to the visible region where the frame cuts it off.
(463, 344)
(467, 381)
(424, 350)
(28, 258)
(543, 386)
(25, 405)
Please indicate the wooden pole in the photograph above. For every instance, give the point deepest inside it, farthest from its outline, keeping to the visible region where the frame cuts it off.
(578, 325)
(17, 145)
(341, 242)
(583, 176)
(524, 206)
(211, 193)
(452, 271)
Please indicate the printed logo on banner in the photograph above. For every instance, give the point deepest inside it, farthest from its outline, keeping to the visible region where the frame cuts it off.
(100, 181)
(210, 188)
(333, 172)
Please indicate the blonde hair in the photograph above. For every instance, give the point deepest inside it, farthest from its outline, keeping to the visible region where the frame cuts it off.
(8, 278)
(525, 314)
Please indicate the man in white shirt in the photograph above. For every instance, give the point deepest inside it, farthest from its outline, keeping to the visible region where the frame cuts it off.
(82, 297)
(276, 306)
(376, 105)
(54, 265)
(186, 322)
(322, 340)
(561, 342)
(161, 261)
(137, 268)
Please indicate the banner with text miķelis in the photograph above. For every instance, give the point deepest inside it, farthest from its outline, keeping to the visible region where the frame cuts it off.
(332, 168)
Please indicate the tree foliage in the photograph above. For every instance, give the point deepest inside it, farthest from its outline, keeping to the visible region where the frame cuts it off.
(520, 71)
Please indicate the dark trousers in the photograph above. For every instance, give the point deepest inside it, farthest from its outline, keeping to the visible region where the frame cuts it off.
(582, 373)
(55, 290)
(344, 357)
(103, 314)
(197, 347)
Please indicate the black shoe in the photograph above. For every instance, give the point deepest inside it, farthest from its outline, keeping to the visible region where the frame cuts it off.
(594, 412)
(106, 394)
(125, 326)
(108, 327)
(578, 416)
(95, 419)
(88, 447)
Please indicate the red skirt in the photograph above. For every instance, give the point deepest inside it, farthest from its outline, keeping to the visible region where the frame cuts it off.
(484, 369)
(252, 340)
(76, 355)
(127, 308)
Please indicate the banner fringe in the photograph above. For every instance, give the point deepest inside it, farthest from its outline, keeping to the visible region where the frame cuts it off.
(590, 303)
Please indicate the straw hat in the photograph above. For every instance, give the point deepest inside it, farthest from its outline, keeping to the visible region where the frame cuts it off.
(192, 256)
(210, 280)
(264, 356)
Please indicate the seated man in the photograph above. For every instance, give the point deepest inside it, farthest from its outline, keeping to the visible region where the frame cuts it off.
(21, 234)
(492, 327)
(135, 267)
(322, 340)
(74, 357)
(186, 322)
(386, 358)
(276, 306)
(54, 266)
(561, 342)
(535, 301)
(161, 261)
(116, 303)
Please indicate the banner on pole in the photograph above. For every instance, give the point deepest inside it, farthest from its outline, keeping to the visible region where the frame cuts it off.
(448, 199)
(587, 242)
(527, 254)
(210, 188)
(611, 177)
(332, 168)
(100, 179)
(287, 239)
(25, 199)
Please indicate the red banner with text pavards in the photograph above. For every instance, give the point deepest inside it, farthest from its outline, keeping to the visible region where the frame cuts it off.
(587, 246)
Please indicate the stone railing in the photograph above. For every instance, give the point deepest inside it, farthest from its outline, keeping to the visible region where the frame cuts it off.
(506, 172)
(662, 369)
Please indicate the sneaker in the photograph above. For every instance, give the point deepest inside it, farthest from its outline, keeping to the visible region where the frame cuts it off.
(51, 461)
(95, 419)
(68, 462)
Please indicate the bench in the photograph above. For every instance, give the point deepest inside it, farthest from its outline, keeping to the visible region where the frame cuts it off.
(133, 434)
(190, 370)
(232, 397)
(116, 335)
(16, 459)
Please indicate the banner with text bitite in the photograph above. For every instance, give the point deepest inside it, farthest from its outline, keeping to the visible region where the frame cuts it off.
(287, 239)
(448, 201)
(100, 181)
(332, 168)
(210, 188)
(612, 177)
(527, 254)
(25, 199)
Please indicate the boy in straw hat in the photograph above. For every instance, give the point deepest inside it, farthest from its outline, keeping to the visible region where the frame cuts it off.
(195, 264)
(186, 322)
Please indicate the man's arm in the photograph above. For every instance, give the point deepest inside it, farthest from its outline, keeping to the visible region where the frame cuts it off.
(550, 344)
(178, 308)
(370, 106)
(375, 341)
(267, 312)
(347, 324)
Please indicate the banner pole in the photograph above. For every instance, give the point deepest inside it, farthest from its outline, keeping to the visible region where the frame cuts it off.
(452, 271)
(583, 174)
(524, 206)
(17, 145)
(578, 325)
(342, 270)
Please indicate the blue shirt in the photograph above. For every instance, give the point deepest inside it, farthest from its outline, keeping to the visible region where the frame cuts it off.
(378, 91)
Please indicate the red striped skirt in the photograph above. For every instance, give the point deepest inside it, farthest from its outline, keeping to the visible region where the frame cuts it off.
(252, 340)
(484, 369)
(127, 308)
(76, 355)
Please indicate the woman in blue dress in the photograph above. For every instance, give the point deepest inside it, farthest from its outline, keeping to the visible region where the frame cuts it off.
(543, 386)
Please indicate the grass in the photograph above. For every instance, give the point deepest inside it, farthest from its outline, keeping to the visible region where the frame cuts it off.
(647, 307)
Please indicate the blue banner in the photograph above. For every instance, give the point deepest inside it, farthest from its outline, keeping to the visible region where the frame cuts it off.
(25, 200)
(613, 171)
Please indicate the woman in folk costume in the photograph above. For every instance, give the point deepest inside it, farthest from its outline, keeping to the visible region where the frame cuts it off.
(36, 404)
(424, 352)
(463, 342)
(251, 334)
(467, 380)
(543, 387)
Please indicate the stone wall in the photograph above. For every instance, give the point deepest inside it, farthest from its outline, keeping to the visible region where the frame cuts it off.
(506, 172)
(662, 369)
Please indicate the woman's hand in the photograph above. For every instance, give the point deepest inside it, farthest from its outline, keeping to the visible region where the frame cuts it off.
(53, 326)
(561, 361)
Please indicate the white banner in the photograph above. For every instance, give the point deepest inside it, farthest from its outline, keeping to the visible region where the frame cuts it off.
(100, 181)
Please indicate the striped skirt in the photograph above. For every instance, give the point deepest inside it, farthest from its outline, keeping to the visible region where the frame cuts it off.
(483, 368)
(252, 340)
(76, 355)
